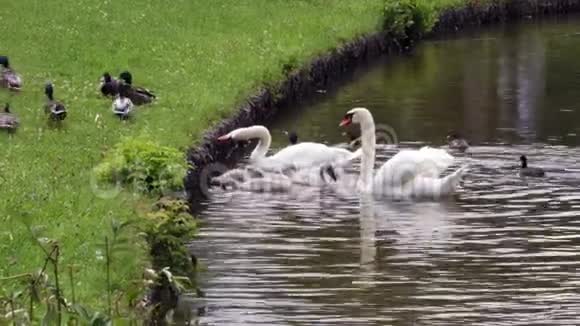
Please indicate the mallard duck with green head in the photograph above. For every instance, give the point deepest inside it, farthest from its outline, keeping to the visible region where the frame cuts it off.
(56, 110)
(138, 95)
(8, 77)
(8, 120)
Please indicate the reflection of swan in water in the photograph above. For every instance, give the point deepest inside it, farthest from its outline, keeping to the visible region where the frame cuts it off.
(410, 231)
(368, 248)
(413, 229)
(418, 227)
(301, 155)
(367, 230)
(410, 173)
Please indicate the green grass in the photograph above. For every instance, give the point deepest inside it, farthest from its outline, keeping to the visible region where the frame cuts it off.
(201, 58)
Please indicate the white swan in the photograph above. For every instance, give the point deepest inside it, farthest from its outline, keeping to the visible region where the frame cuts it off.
(298, 156)
(410, 173)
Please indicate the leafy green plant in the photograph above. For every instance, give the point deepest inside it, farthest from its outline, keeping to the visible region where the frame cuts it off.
(144, 165)
(167, 229)
(409, 19)
(114, 244)
(92, 318)
(54, 299)
(166, 290)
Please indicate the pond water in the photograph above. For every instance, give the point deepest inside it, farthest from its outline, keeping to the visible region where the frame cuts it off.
(504, 251)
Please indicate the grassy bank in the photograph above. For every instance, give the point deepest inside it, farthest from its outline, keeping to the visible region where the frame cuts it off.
(201, 58)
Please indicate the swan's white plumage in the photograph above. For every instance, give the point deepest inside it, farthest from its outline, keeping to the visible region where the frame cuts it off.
(409, 173)
(407, 164)
(305, 155)
(302, 155)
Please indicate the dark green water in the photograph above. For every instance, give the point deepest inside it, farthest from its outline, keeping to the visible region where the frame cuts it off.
(504, 251)
(518, 84)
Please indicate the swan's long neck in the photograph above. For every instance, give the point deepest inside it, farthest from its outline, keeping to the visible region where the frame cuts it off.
(368, 141)
(264, 142)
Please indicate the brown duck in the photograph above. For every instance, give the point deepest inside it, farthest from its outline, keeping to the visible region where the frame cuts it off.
(137, 95)
(8, 77)
(8, 121)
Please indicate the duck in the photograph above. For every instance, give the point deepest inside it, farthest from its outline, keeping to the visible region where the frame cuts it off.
(109, 85)
(122, 105)
(138, 95)
(455, 141)
(8, 120)
(292, 137)
(527, 171)
(8, 77)
(353, 141)
(408, 174)
(302, 155)
(55, 109)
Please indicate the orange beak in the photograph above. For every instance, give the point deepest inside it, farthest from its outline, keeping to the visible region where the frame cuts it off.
(223, 138)
(345, 122)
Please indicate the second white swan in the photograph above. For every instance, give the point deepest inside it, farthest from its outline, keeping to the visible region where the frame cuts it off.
(301, 155)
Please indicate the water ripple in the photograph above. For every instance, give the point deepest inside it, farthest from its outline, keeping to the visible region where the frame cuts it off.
(504, 251)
